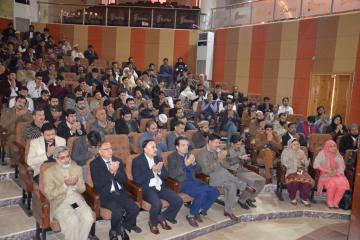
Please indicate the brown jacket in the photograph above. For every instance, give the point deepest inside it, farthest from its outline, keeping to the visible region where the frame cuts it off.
(261, 142)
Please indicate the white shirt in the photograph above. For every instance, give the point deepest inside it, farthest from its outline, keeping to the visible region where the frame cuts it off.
(283, 109)
(156, 180)
(35, 92)
(112, 189)
(30, 103)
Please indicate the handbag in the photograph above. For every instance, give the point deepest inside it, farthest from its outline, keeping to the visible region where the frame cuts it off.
(346, 200)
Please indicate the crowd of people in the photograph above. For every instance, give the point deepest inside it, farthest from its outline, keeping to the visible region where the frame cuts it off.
(170, 102)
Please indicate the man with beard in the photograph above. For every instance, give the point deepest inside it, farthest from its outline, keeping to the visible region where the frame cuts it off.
(97, 101)
(41, 149)
(53, 104)
(23, 91)
(292, 134)
(229, 120)
(34, 129)
(11, 116)
(280, 125)
(180, 116)
(350, 140)
(126, 125)
(63, 187)
(83, 113)
(9, 87)
(70, 127)
(256, 124)
(200, 138)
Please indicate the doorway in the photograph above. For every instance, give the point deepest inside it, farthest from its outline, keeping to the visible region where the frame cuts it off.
(331, 90)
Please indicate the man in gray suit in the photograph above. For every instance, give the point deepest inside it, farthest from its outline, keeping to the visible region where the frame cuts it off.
(210, 159)
(235, 161)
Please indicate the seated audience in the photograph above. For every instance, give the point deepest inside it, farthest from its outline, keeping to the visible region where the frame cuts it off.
(109, 178)
(23, 91)
(34, 129)
(266, 106)
(229, 120)
(36, 86)
(70, 127)
(307, 127)
(63, 187)
(42, 101)
(285, 107)
(149, 172)
(85, 148)
(258, 123)
(268, 145)
(200, 138)
(97, 101)
(336, 127)
(149, 111)
(296, 177)
(280, 125)
(321, 119)
(162, 122)
(235, 160)
(209, 108)
(179, 130)
(210, 159)
(152, 132)
(125, 124)
(331, 166)
(101, 124)
(41, 149)
(83, 113)
(350, 140)
(182, 167)
(292, 134)
(180, 116)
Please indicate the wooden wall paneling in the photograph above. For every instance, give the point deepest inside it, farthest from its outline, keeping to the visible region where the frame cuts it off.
(243, 59)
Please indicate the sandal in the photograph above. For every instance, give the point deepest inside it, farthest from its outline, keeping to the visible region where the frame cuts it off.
(306, 203)
(293, 202)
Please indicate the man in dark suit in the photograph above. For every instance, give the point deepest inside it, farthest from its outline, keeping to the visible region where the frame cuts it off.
(149, 172)
(126, 125)
(70, 127)
(109, 179)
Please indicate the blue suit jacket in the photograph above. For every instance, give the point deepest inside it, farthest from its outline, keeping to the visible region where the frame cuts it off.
(142, 174)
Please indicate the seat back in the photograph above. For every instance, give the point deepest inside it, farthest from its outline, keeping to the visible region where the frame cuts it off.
(19, 134)
(143, 124)
(295, 118)
(190, 133)
(165, 156)
(324, 128)
(317, 140)
(196, 152)
(43, 168)
(136, 139)
(70, 143)
(88, 179)
(120, 145)
(27, 147)
(128, 165)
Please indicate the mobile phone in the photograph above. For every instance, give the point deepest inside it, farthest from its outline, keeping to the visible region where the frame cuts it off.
(74, 205)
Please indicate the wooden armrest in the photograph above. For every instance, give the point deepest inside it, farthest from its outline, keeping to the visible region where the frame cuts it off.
(26, 174)
(41, 208)
(24, 168)
(203, 177)
(172, 184)
(135, 190)
(252, 168)
(92, 198)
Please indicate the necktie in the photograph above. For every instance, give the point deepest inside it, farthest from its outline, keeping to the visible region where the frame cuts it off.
(115, 184)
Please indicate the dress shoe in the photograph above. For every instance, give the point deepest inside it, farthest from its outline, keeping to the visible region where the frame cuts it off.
(231, 216)
(244, 205)
(164, 224)
(154, 229)
(202, 212)
(192, 221)
(113, 235)
(198, 217)
(252, 200)
(172, 221)
(124, 235)
(136, 229)
(250, 203)
(250, 189)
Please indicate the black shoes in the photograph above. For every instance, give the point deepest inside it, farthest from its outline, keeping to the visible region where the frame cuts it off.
(192, 221)
(250, 203)
(113, 235)
(136, 229)
(244, 205)
(124, 235)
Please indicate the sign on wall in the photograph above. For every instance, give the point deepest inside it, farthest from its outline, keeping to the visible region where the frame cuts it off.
(263, 11)
(345, 5)
(287, 9)
(316, 7)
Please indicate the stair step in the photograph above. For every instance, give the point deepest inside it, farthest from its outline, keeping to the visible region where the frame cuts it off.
(10, 193)
(6, 172)
(14, 224)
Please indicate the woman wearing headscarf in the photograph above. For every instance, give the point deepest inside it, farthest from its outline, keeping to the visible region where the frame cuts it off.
(336, 128)
(296, 178)
(331, 166)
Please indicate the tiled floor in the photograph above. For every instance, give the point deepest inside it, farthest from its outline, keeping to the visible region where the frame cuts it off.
(267, 203)
(14, 220)
(282, 229)
(9, 189)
